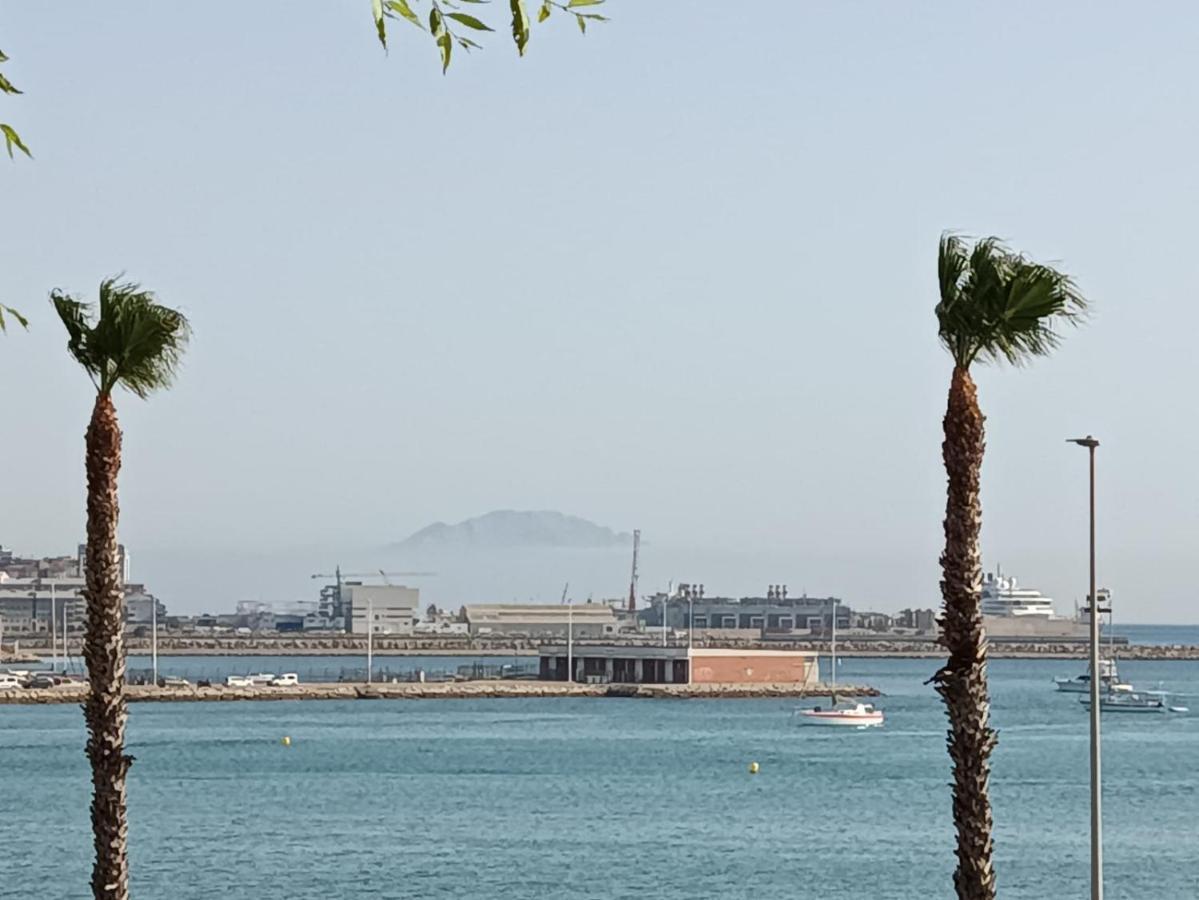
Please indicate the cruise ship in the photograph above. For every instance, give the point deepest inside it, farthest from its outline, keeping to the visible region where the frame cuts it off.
(1002, 597)
(1020, 613)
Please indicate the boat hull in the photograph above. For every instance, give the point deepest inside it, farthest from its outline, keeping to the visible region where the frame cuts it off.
(1153, 710)
(1075, 687)
(833, 719)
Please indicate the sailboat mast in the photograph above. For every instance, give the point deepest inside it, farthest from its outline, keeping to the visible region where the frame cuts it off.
(833, 649)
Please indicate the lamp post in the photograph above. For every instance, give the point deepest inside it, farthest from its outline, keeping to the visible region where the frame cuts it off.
(1093, 607)
(690, 619)
(370, 638)
(665, 602)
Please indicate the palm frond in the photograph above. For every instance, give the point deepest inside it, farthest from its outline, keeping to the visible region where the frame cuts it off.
(135, 342)
(21, 320)
(997, 305)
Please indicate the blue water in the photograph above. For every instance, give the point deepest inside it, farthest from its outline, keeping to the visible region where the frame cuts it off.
(1160, 635)
(604, 798)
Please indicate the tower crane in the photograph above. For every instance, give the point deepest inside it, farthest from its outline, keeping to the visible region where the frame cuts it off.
(338, 575)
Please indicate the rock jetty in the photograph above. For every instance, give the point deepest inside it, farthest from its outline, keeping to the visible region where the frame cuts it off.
(457, 690)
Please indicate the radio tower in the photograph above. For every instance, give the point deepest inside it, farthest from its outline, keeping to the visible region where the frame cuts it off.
(633, 580)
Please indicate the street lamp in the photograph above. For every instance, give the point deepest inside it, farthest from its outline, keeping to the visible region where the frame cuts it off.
(1093, 607)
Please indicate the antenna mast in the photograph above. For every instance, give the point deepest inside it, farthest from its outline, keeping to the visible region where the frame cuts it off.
(633, 579)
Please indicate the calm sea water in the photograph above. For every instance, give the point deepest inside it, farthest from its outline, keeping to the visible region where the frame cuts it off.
(604, 798)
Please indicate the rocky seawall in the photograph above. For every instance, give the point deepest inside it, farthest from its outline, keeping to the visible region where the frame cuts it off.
(462, 690)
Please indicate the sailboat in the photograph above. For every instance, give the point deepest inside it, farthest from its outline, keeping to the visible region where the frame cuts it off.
(846, 713)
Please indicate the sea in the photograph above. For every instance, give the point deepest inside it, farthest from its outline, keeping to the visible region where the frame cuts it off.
(606, 798)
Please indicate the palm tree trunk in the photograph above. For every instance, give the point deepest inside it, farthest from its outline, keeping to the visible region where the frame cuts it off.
(104, 649)
(962, 682)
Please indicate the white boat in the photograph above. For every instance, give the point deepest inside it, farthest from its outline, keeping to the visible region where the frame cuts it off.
(850, 714)
(853, 715)
(1109, 681)
(1133, 702)
(1002, 597)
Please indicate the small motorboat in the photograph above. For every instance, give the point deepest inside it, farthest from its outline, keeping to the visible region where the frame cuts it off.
(1133, 702)
(1109, 680)
(853, 715)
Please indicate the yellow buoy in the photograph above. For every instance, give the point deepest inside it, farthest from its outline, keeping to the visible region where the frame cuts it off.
(753, 768)
(286, 742)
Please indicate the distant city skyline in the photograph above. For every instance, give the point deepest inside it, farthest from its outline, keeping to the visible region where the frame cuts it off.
(687, 292)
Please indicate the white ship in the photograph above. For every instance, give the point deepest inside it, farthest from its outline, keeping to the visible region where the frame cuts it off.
(1003, 598)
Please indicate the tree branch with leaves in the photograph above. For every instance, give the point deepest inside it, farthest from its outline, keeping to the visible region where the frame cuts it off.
(11, 138)
(442, 15)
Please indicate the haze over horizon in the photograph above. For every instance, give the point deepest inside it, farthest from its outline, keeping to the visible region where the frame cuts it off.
(699, 303)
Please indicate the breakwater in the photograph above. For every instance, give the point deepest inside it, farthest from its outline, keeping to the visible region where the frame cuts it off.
(463, 690)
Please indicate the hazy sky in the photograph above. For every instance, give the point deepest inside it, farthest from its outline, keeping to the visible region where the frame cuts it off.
(676, 275)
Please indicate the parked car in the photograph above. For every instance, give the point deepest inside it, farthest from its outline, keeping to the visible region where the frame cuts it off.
(173, 681)
(287, 679)
(237, 681)
(40, 682)
(9, 682)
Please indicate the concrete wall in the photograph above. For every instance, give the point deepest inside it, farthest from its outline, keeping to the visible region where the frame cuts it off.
(746, 668)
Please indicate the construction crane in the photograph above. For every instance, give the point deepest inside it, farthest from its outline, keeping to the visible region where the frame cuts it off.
(633, 580)
(339, 576)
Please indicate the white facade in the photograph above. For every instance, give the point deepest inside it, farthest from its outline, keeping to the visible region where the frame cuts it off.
(393, 609)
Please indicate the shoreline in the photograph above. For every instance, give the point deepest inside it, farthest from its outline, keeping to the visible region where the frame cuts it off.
(462, 690)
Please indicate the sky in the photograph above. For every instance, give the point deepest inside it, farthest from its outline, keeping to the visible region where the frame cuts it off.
(675, 275)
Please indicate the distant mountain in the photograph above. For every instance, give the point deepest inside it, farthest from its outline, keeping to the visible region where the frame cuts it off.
(510, 528)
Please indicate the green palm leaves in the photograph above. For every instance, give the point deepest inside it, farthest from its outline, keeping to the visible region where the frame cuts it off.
(998, 305)
(135, 342)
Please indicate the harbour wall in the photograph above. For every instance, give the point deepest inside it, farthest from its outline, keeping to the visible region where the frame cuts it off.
(464, 690)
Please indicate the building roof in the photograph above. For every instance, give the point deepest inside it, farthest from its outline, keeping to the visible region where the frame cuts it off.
(537, 613)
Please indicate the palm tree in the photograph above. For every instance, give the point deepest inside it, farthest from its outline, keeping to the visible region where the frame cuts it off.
(137, 344)
(996, 306)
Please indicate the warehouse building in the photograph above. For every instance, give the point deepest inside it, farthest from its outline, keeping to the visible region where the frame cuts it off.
(649, 664)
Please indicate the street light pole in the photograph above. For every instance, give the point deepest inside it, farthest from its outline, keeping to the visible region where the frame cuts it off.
(1096, 784)
(665, 602)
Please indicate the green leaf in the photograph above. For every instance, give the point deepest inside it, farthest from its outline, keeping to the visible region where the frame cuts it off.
(7, 86)
(476, 1)
(469, 21)
(545, 12)
(582, 24)
(402, 7)
(436, 23)
(467, 44)
(573, 3)
(12, 139)
(21, 320)
(595, 16)
(380, 25)
(520, 25)
(446, 43)
(3, 56)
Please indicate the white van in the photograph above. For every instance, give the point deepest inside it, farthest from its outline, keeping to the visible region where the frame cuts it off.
(9, 681)
(287, 679)
(237, 681)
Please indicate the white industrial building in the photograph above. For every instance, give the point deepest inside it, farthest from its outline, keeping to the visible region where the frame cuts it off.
(540, 620)
(392, 609)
